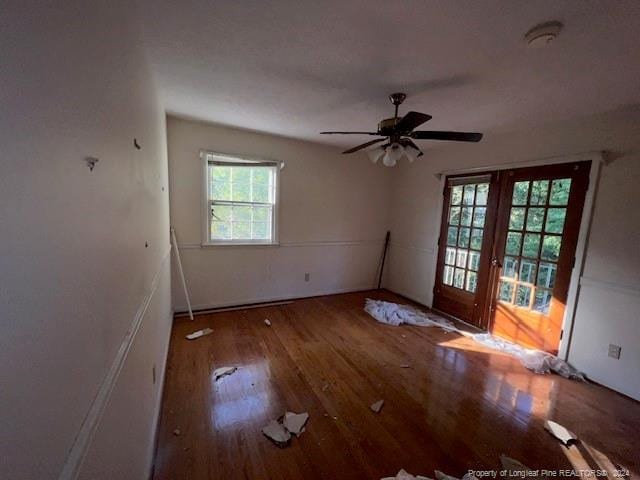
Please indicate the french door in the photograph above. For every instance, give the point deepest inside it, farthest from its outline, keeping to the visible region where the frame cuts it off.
(524, 255)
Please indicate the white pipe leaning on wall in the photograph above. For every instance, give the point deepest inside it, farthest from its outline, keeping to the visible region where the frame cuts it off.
(184, 283)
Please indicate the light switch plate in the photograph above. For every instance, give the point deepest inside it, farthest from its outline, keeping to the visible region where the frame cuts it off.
(614, 351)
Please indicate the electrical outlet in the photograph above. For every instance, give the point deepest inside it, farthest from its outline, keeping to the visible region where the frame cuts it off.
(614, 351)
(306, 277)
(153, 373)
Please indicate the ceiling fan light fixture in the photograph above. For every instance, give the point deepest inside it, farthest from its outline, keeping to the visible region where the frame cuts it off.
(393, 154)
(375, 154)
(411, 153)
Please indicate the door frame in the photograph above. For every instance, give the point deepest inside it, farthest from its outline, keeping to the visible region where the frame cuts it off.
(597, 159)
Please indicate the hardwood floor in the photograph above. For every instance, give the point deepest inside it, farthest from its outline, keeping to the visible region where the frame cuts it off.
(459, 406)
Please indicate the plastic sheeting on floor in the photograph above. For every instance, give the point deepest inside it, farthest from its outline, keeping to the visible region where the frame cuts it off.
(535, 360)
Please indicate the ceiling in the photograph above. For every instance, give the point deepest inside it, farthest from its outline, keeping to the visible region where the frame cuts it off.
(297, 67)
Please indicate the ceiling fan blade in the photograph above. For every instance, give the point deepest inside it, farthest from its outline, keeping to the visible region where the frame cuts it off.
(410, 121)
(348, 133)
(452, 136)
(364, 145)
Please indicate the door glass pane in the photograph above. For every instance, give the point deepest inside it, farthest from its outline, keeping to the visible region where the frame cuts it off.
(527, 271)
(523, 296)
(463, 240)
(465, 217)
(555, 220)
(456, 195)
(505, 291)
(514, 240)
(452, 236)
(516, 219)
(472, 282)
(447, 276)
(560, 189)
(454, 216)
(469, 194)
(474, 261)
(539, 191)
(551, 247)
(450, 256)
(531, 245)
(479, 215)
(458, 278)
(547, 275)
(542, 301)
(520, 193)
(534, 219)
(510, 267)
(461, 258)
(482, 192)
(476, 238)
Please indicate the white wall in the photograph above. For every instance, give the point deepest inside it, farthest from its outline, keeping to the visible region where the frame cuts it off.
(610, 297)
(332, 220)
(76, 278)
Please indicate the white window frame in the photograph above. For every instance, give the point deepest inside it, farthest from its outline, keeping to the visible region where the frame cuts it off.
(206, 156)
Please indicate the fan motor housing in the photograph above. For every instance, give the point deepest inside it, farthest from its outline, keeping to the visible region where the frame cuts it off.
(385, 127)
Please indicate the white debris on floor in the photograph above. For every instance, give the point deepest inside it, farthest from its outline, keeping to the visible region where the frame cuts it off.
(377, 406)
(394, 314)
(535, 360)
(404, 475)
(560, 432)
(280, 431)
(199, 333)
(267, 322)
(222, 371)
(276, 432)
(295, 422)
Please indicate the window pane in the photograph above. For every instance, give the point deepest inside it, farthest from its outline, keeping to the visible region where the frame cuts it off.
(241, 192)
(560, 191)
(261, 175)
(531, 245)
(261, 214)
(505, 291)
(463, 240)
(510, 267)
(221, 230)
(479, 215)
(520, 192)
(461, 258)
(456, 195)
(454, 216)
(447, 275)
(547, 275)
(523, 296)
(450, 256)
(555, 220)
(542, 301)
(476, 238)
(534, 219)
(220, 191)
(261, 230)
(221, 212)
(458, 278)
(482, 192)
(472, 281)
(241, 230)
(527, 271)
(539, 191)
(551, 247)
(241, 175)
(465, 217)
(474, 261)
(261, 193)
(219, 173)
(516, 218)
(513, 243)
(469, 194)
(452, 236)
(241, 214)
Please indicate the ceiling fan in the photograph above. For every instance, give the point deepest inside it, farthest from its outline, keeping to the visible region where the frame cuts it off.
(400, 134)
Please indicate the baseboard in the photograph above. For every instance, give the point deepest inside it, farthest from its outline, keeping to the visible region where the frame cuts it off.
(92, 419)
(248, 301)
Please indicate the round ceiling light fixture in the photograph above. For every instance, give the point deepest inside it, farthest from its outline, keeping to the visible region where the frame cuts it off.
(542, 35)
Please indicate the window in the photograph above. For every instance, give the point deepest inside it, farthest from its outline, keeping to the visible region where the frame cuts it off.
(240, 200)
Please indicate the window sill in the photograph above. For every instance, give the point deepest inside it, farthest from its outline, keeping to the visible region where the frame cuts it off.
(239, 244)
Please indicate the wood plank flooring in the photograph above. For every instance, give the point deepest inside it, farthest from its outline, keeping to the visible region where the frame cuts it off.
(459, 406)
